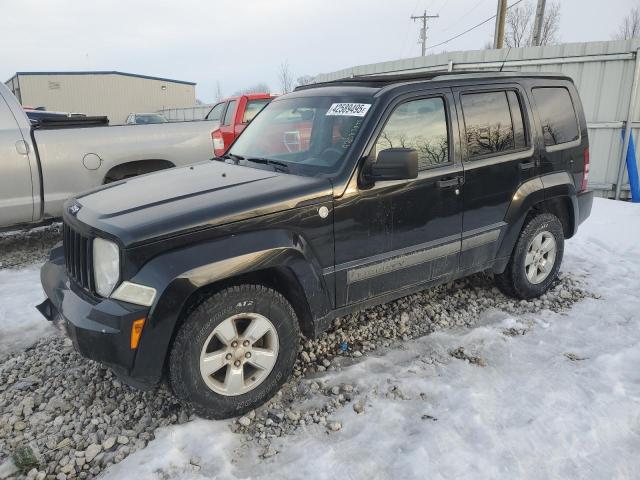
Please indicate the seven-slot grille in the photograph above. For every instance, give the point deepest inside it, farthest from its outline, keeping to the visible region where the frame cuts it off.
(78, 256)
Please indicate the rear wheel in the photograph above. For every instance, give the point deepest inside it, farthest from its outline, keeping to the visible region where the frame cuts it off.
(234, 351)
(535, 260)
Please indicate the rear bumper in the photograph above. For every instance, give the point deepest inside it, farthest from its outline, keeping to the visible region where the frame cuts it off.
(585, 202)
(100, 329)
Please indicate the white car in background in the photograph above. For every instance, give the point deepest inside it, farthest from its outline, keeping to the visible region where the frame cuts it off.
(145, 118)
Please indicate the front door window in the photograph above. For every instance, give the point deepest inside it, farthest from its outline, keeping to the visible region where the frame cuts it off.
(421, 125)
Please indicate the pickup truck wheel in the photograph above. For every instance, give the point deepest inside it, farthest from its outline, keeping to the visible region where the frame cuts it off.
(535, 260)
(234, 351)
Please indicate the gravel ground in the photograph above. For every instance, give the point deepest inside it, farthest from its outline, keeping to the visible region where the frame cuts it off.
(62, 416)
(19, 249)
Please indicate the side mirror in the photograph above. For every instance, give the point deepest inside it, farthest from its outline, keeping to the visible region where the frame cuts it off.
(395, 164)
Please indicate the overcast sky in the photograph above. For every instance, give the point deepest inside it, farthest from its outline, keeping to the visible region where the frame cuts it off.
(242, 42)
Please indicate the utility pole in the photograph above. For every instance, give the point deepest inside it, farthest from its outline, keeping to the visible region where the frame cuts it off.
(423, 30)
(537, 24)
(498, 36)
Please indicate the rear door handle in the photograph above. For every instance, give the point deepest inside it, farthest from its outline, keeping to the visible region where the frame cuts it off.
(527, 165)
(449, 182)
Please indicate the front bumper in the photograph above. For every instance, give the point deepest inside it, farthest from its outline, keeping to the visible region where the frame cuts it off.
(99, 328)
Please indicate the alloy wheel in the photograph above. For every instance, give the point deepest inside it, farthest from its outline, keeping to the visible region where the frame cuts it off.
(540, 257)
(239, 354)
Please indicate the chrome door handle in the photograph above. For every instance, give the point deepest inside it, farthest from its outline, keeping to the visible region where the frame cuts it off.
(22, 147)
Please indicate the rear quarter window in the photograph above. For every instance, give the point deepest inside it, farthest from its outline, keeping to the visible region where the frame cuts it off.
(253, 108)
(557, 115)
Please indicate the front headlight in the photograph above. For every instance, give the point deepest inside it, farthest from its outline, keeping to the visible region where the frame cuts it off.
(106, 266)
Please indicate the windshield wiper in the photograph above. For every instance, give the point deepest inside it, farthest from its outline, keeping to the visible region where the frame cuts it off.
(228, 156)
(274, 163)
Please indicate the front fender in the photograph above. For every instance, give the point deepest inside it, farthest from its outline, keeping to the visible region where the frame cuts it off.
(176, 275)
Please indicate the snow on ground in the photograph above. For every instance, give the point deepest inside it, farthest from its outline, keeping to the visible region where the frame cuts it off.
(20, 323)
(560, 401)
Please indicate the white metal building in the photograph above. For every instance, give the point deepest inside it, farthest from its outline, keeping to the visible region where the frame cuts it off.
(186, 114)
(114, 94)
(607, 75)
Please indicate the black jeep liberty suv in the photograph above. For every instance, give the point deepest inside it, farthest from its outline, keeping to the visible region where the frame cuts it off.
(338, 196)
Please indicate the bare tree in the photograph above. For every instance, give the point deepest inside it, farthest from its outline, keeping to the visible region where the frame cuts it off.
(285, 77)
(218, 92)
(519, 25)
(305, 80)
(260, 87)
(630, 26)
(550, 33)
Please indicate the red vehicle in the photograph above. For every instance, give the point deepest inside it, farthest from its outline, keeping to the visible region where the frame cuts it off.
(234, 114)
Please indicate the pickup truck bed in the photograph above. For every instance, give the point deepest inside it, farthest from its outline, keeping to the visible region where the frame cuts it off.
(43, 165)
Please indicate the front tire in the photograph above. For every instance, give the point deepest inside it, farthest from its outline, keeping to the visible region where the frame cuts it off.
(234, 351)
(535, 260)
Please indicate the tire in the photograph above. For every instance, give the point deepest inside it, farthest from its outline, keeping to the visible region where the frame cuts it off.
(524, 278)
(206, 339)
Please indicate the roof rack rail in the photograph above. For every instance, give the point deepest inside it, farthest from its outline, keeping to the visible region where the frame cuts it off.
(384, 79)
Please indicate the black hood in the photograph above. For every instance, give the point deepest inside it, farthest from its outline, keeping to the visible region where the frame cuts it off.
(180, 200)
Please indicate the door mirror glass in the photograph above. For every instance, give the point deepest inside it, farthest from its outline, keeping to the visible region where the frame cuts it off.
(395, 164)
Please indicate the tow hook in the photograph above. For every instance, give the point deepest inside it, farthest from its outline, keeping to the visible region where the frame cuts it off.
(48, 310)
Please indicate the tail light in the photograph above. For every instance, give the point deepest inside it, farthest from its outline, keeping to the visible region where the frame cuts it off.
(585, 172)
(218, 143)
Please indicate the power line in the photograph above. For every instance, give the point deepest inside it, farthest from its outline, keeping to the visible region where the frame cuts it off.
(440, 7)
(473, 28)
(464, 15)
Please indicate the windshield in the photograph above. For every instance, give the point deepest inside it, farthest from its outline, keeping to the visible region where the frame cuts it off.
(312, 135)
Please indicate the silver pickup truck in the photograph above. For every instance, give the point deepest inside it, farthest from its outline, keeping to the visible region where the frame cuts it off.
(40, 166)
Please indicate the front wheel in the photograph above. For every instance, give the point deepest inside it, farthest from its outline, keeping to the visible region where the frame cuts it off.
(234, 351)
(535, 260)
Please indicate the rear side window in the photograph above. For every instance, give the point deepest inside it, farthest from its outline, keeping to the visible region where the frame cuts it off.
(228, 115)
(493, 123)
(558, 117)
(253, 108)
(216, 112)
(422, 125)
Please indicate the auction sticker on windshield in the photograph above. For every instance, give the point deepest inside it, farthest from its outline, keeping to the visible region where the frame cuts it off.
(349, 109)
